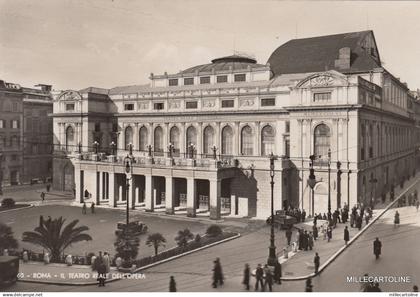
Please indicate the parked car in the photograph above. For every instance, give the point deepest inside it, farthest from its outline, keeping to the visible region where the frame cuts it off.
(134, 227)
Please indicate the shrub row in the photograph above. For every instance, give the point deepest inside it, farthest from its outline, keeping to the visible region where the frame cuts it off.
(7, 203)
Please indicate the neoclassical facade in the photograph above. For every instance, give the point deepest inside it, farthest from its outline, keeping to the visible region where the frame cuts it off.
(199, 140)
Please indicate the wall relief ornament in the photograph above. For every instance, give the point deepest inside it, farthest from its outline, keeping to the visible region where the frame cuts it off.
(246, 102)
(174, 104)
(70, 95)
(144, 105)
(209, 103)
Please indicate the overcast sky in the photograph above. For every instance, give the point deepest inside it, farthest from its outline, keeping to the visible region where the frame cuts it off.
(73, 44)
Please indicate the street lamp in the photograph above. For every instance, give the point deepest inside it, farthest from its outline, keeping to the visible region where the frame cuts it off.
(128, 176)
(329, 185)
(170, 150)
(113, 148)
(149, 149)
(130, 149)
(272, 259)
(192, 149)
(95, 147)
(312, 181)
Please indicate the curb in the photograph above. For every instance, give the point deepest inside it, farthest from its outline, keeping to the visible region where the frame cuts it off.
(342, 249)
(20, 208)
(135, 271)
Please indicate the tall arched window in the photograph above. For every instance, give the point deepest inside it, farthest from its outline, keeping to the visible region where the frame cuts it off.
(322, 140)
(69, 138)
(208, 140)
(174, 139)
(267, 140)
(370, 141)
(143, 141)
(158, 144)
(247, 141)
(227, 141)
(191, 136)
(128, 136)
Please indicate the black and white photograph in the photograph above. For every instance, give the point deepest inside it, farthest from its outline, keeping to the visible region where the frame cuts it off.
(209, 146)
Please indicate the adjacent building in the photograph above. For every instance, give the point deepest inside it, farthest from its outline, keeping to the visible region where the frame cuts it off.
(199, 141)
(25, 133)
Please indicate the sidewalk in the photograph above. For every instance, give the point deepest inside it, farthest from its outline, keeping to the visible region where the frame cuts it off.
(301, 264)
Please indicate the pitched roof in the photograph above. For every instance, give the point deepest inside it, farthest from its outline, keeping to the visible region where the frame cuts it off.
(317, 54)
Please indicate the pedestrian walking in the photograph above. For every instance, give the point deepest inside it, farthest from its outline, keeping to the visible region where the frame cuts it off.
(316, 262)
(303, 216)
(305, 240)
(84, 208)
(396, 218)
(259, 274)
(346, 235)
(245, 281)
(329, 233)
(308, 287)
(289, 235)
(268, 278)
(92, 207)
(415, 288)
(101, 268)
(315, 231)
(277, 273)
(42, 196)
(310, 241)
(107, 262)
(377, 247)
(172, 284)
(217, 273)
(41, 221)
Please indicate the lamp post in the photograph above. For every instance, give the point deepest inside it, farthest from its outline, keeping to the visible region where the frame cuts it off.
(329, 184)
(128, 176)
(191, 149)
(95, 147)
(149, 149)
(170, 150)
(272, 259)
(130, 149)
(113, 146)
(312, 181)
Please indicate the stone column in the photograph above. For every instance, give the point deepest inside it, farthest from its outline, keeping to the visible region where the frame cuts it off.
(182, 140)
(257, 139)
(136, 137)
(217, 138)
(215, 193)
(149, 199)
(191, 201)
(199, 140)
(165, 128)
(236, 142)
(121, 138)
(78, 184)
(169, 197)
(63, 137)
(131, 195)
(101, 187)
(111, 190)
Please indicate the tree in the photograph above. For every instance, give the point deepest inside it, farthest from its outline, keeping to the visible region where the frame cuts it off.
(7, 241)
(156, 240)
(55, 237)
(183, 237)
(127, 247)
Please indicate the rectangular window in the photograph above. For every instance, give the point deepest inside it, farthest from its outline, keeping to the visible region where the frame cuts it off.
(69, 106)
(97, 127)
(228, 103)
(15, 106)
(158, 106)
(188, 81)
(204, 80)
(222, 78)
(191, 105)
(287, 127)
(173, 82)
(322, 97)
(2, 124)
(15, 124)
(129, 106)
(268, 102)
(240, 77)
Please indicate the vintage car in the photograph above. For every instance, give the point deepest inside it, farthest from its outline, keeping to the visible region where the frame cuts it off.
(134, 228)
(282, 220)
(9, 268)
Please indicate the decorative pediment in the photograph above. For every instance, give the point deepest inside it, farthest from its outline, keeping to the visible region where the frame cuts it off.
(322, 80)
(70, 95)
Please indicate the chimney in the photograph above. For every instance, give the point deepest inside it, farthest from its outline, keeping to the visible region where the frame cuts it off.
(343, 61)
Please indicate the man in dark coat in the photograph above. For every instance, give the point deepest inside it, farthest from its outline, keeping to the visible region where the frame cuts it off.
(346, 235)
(246, 277)
(277, 273)
(289, 235)
(377, 247)
(303, 215)
(305, 240)
(308, 287)
(316, 262)
(268, 278)
(172, 284)
(259, 274)
(300, 239)
(315, 231)
(217, 273)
